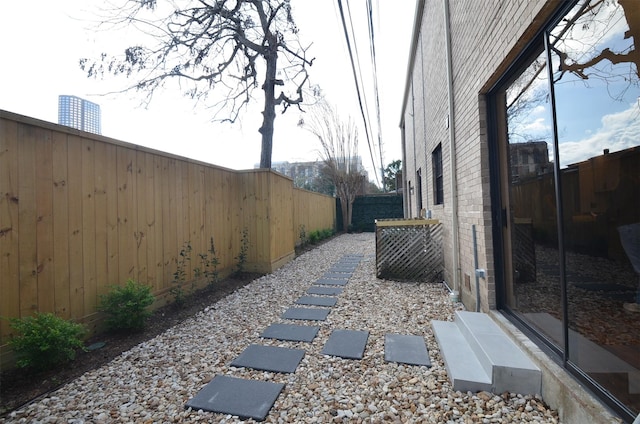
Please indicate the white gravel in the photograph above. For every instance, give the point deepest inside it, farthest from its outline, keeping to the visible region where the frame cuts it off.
(151, 382)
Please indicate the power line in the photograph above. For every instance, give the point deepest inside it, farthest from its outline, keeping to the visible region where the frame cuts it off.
(355, 78)
(372, 44)
(359, 66)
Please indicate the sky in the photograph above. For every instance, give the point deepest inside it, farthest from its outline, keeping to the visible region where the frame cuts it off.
(593, 114)
(42, 64)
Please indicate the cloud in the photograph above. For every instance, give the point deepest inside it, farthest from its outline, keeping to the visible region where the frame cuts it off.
(538, 125)
(539, 110)
(619, 131)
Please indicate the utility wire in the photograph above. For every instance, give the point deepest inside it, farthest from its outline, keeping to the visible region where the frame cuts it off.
(372, 44)
(355, 78)
(359, 70)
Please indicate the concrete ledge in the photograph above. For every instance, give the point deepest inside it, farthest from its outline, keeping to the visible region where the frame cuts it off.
(560, 390)
(501, 358)
(463, 367)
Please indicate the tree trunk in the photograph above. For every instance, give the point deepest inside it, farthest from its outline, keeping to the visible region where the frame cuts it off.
(346, 221)
(269, 112)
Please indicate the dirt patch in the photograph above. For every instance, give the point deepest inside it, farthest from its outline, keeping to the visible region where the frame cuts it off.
(18, 387)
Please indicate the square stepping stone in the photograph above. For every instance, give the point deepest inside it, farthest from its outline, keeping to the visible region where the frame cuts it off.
(343, 269)
(310, 314)
(292, 332)
(269, 358)
(317, 301)
(332, 281)
(237, 396)
(337, 275)
(348, 344)
(350, 260)
(406, 349)
(327, 291)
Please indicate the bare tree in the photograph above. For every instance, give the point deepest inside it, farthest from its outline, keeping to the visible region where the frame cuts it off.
(214, 47)
(590, 21)
(339, 151)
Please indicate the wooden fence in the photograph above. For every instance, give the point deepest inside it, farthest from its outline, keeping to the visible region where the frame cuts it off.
(81, 212)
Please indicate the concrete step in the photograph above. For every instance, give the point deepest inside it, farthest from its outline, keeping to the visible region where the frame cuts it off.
(464, 369)
(474, 343)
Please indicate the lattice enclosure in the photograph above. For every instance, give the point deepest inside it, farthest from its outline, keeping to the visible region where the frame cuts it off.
(409, 250)
(524, 252)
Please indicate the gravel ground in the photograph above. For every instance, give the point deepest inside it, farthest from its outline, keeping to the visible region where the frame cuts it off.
(151, 382)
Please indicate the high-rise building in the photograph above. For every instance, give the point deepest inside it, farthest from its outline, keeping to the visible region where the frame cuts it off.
(79, 113)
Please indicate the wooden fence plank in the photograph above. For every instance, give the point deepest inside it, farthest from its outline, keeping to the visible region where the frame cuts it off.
(191, 212)
(27, 220)
(9, 225)
(76, 254)
(183, 233)
(169, 218)
(111, 188)
(158, 224)
(61, 225)
(148, 220)
(141, 233)
(179, 211)
(44, 221)
(101, 171)
(126, 211)
(210, 229)
(89, 227)
(197, 223)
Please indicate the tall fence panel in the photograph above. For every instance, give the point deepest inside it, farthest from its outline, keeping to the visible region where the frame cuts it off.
(81, 212)
(311, 212)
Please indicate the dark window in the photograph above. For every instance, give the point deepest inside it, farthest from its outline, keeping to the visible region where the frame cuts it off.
(438, 186)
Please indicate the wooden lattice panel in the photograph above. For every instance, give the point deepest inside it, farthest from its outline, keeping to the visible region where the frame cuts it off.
(409, 250)
(524, 252)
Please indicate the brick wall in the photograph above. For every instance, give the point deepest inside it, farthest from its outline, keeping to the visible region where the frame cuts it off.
(486, 36)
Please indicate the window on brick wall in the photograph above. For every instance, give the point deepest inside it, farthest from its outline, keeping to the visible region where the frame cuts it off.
(438, 183)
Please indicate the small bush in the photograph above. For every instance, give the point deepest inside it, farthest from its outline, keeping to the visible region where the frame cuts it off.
(45, 340)
(244, 251)
(180, 276)
(209, 265)
(326, 233)
(303, 235)
(314, 237)
(127, 306)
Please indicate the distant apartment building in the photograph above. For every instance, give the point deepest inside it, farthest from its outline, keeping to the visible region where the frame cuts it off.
(305, 174)
(79, 113)
(302, 173)
(529, 159)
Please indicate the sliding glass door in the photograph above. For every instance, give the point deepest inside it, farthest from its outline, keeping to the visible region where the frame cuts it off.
(568, 142)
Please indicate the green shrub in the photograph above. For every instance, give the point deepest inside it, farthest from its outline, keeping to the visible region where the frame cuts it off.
(314, 237)
(45, 340)
(303, 235)
(127, 306)
(209, 265)
(326, 233)
(244, 251)
(180, 276)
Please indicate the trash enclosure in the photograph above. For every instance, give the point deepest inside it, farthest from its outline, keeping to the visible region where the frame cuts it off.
(409, 249)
